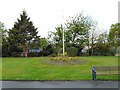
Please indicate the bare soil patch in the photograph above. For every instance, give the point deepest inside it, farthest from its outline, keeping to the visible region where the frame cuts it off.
(71, 62)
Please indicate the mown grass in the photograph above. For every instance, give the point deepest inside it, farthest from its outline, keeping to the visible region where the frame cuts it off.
(36, 68)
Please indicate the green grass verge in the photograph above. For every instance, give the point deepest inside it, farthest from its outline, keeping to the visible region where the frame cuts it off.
(35, 68)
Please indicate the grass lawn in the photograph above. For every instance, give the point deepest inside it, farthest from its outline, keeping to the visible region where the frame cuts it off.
(36, 68)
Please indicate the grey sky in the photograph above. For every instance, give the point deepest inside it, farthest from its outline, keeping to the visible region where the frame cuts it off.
(47, 14)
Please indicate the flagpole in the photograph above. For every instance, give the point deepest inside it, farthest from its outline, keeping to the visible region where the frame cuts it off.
(63, 34)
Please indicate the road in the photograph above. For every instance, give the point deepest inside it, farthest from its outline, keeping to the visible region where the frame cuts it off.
(59, 84)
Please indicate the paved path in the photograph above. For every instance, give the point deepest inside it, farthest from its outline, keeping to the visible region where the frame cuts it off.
(59, 84)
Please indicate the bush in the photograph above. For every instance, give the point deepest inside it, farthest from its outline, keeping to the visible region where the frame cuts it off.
(60, 50)
(6, 54)
(112, 51)
(102, 49)
(72, 51)
(33, 54)
(84, 54)
(47, 51)
(56, 50)
(16, 54)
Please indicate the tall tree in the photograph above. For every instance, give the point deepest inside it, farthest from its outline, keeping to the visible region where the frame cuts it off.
(78, 31)
(92, 38)
(1, 33)
(57, 35)
(23, 34)
(114, 37)
(3, 40)
(102, 46)
(56, 38)
(114, 34)
(43, 42)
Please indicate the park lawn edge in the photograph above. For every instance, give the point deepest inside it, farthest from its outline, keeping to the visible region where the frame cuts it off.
(91, 59)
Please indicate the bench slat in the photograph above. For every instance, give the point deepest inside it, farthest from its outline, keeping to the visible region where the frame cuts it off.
(107, 68)
(108, 73)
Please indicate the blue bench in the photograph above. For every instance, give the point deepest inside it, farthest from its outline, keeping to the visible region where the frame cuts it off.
(93, 73)
(104, 70)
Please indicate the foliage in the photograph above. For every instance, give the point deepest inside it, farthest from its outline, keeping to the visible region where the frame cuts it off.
(72, 51)
(43, 42)
(103, 38)
(112, 51)
(33, 54)
(79, 34)
(92, 40)
(114, 34)
(56, 36)
(16, 54)
(57, 50)
(102, 46)
(4, 44)
(47, 51)
(3, 32)
(23, 35)
(62, 55)
(102, 49)
(76, 32)
(118, 51)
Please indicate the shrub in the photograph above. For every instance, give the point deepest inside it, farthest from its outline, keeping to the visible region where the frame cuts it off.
(16, 54)
(47, 51)
(72, 51)
(33, 54)
(6, 54)
(84, 54)
(112, 51)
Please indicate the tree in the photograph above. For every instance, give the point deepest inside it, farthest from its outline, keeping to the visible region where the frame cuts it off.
(102, 47)
(56, 36)
(114, 37)
(92, 43)
(1, 33)
(4, 40)
(48, 50)
(114, 34)
(43, 42)
(77, 33)
(92, 38)
(23, 35)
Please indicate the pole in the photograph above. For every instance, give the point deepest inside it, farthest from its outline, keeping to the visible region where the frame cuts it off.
(63, 42)
(63, 34)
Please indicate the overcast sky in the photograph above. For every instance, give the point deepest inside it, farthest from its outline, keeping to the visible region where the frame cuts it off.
(47, 14)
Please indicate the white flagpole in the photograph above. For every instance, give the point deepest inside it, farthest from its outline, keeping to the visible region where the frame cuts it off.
(63, 33)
